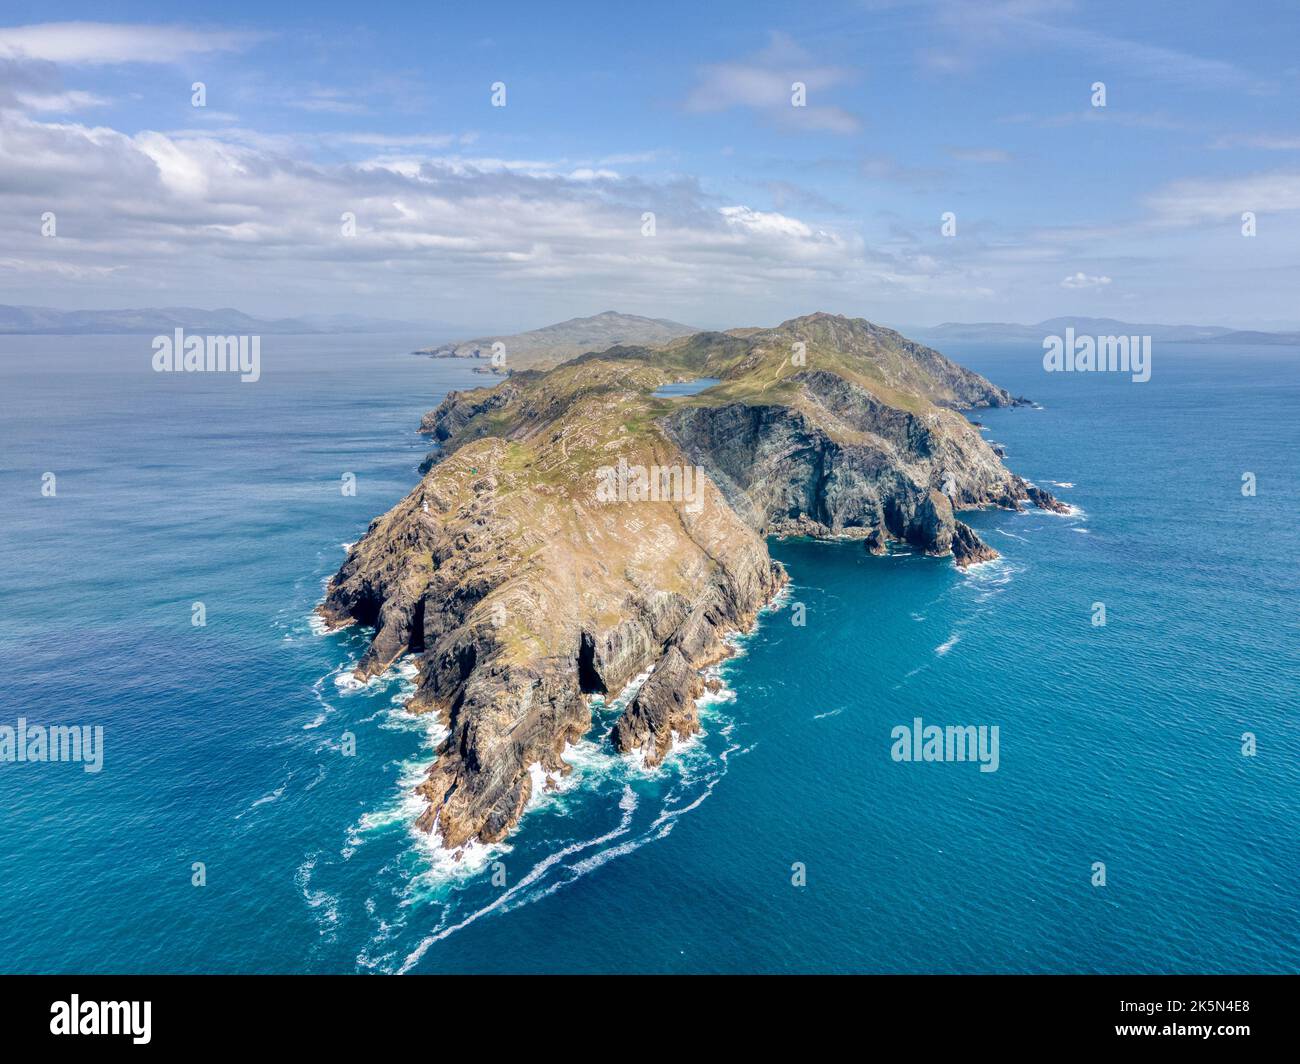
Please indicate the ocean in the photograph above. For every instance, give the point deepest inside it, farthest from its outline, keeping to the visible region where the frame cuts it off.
(230, 831)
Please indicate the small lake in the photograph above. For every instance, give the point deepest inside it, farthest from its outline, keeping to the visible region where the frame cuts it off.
(671, 391)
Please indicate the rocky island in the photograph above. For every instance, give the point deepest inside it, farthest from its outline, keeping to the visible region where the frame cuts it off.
(574, 530)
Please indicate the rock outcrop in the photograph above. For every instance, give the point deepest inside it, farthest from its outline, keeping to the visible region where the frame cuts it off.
(1044, 500)
(664, 707)
(572, 530)
(967, 548)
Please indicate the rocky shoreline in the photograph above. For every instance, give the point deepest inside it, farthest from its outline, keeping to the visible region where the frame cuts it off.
(524, 591)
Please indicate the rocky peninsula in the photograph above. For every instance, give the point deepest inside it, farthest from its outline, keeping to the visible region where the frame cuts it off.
(574, 530)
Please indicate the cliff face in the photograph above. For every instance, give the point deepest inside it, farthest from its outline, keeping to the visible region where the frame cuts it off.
(562, 542)
(525, 594)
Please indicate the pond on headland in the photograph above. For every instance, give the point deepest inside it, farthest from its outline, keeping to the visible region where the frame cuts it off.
(672, 391)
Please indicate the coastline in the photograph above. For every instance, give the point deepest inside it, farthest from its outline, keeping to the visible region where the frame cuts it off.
(525, 597)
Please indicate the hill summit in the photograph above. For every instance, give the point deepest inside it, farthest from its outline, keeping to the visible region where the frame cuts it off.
(552, 344)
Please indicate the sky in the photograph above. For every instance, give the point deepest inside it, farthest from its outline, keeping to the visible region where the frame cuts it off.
(116, 190)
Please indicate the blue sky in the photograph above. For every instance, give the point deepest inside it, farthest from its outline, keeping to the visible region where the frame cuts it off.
(505, 217)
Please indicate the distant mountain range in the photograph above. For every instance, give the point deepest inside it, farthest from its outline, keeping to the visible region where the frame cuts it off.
(37, 320)
(553, 344)
(1005, 331)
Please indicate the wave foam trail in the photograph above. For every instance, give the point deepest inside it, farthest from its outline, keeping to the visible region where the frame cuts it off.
(695, 771)
(324, 905)
(628, 808)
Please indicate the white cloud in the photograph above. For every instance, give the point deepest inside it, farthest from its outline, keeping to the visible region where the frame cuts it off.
(981, 31)
(1223, 199)
(65, 270)
(195, 212)
(59, 102)
(214, 215)
(1083, 280)
(325, 101)
(107, 42)
(768, 223)
(763, 82)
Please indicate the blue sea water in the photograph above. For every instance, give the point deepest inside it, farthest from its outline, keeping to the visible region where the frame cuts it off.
(223, 743)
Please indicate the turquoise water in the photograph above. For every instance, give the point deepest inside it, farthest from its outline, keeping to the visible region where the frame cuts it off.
(1119, 744)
